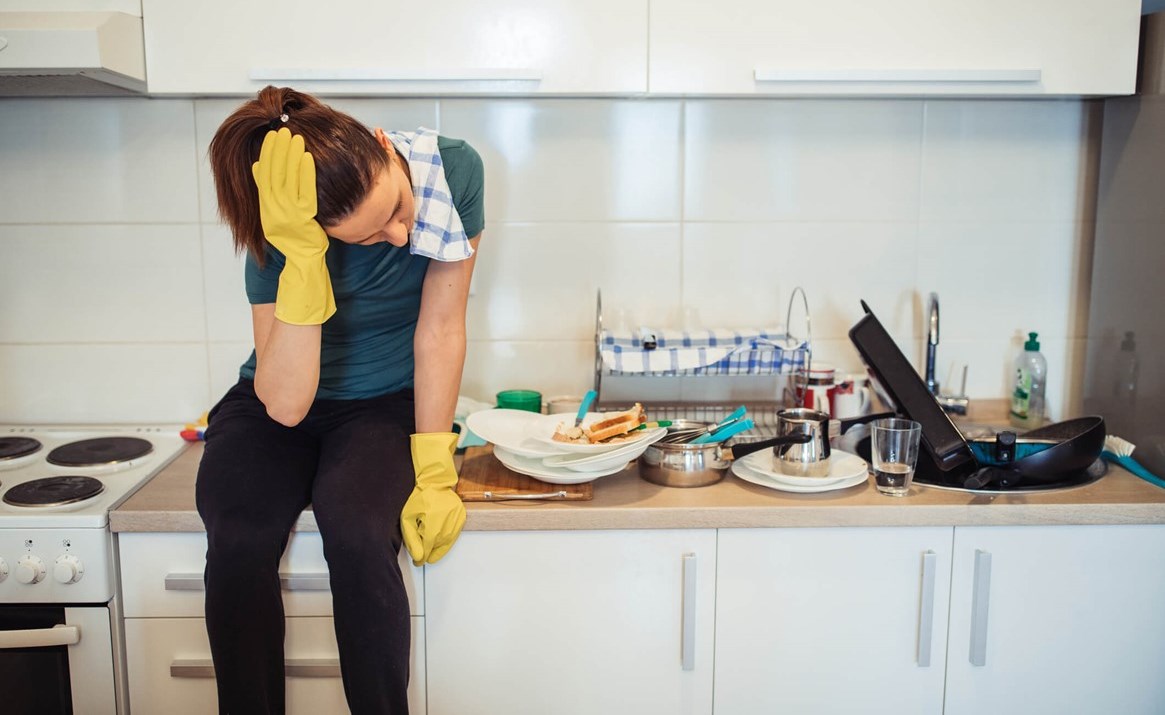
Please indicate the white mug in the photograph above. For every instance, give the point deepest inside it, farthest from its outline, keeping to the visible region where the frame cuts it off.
(851, 398)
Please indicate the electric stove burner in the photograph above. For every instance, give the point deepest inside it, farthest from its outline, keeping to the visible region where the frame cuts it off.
(14, 447)
(53, 491)
(99, 451)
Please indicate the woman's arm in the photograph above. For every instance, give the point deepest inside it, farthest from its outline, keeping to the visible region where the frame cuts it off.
(439, 343)
(287, 368)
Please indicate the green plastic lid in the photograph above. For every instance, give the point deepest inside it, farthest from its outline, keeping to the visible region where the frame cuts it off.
(1032, 344)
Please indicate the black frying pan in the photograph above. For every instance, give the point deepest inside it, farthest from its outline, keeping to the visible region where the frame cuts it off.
(1079, 443)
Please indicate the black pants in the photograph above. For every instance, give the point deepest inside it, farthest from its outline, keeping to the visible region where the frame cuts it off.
(350, 460)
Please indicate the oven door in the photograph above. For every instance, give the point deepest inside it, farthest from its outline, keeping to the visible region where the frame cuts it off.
(56, 660)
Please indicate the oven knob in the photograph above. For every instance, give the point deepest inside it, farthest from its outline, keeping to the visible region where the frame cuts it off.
(68, 569)
(30, 569)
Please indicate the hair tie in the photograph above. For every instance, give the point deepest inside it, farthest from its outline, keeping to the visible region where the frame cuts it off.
(274, 123)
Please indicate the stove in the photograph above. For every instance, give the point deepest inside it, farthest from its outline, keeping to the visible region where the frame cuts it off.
(57, 486)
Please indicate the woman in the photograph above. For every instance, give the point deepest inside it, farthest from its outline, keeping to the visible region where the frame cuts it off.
(347, 401)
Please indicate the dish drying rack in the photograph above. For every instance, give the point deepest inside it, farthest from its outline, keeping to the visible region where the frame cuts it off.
(730, 353)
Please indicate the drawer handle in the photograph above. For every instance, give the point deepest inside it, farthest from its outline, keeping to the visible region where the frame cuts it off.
(59, 634)
(287, 581)
(980, 599)
(292, 667)
(688, 634)
(926, 609)
(376, 74)
(997, 76)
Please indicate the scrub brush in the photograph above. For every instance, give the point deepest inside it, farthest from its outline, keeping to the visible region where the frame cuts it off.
(1120, 451)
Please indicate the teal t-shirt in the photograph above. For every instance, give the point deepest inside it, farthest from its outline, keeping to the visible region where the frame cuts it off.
(368, 344)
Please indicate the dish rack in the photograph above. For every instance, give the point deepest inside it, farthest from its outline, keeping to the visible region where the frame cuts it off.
(682, 354)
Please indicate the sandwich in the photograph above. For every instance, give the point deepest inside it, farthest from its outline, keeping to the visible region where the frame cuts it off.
(610, 427)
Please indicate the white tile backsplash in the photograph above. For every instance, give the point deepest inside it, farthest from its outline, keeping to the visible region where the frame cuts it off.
(123, 299)
(97, 161)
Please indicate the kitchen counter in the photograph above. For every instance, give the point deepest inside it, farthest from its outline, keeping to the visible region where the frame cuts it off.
(624, 501)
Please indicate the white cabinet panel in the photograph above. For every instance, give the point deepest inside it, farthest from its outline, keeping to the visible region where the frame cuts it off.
(572, 623)
(801, 611)
(856, 47)
(168, 659)
(1057, 619)
(161, 575)
(364, 47)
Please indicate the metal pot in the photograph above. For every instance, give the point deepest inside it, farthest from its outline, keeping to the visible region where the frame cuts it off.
(698, 465)
(810, 457)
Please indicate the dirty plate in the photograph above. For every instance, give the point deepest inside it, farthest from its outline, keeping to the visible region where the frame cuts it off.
(542, 431)
(842, 466)
(552, 475)
(606, 460)
(742, 470)
(508, 429)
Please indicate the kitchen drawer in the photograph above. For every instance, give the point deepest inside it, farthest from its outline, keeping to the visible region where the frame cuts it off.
(161, 576)
(168, 666)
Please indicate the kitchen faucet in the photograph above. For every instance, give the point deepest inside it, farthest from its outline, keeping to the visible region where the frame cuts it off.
(956, 404)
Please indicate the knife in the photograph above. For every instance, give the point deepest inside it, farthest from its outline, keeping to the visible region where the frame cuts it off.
(585, 406)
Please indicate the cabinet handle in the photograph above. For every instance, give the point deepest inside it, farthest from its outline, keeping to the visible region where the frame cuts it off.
(771, 74)
(926, 609)
(292, 668)
(59, 634)
(980, 596)
(287, 581)
(376, 74)
(688, 634)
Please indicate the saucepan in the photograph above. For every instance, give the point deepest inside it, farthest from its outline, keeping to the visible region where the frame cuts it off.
(696, 465)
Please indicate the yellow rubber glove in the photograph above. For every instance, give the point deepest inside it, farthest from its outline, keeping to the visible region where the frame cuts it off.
(286, 177)
(433, 516)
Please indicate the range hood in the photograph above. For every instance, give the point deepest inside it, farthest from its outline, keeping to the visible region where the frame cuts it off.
(48, 54)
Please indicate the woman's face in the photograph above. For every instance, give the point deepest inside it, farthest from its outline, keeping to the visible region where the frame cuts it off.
(386, 215)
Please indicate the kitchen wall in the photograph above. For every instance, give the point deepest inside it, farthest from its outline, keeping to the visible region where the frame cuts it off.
(121, 299)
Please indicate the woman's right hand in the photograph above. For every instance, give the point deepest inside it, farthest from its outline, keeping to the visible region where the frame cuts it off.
(286, 178)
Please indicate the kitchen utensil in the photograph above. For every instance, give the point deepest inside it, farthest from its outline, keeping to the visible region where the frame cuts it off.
(587, 401)
(552, 475)
(710, 434)
(528, 400)
(750, 475)
(509, 429)
(808, 457)
(541, 430)
(725, 433)
(695, 465)
(851, 397)
(842, 466)
(483, 478)
(894, 454)
(1120, 451)
(604, 461)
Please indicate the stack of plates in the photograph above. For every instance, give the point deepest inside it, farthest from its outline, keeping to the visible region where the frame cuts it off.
(845, 470)
(524, 442)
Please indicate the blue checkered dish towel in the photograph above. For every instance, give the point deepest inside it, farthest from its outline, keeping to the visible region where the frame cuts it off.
(438, 232)
(744, 351)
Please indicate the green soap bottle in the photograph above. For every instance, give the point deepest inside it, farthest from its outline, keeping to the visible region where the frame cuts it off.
(1027, 396)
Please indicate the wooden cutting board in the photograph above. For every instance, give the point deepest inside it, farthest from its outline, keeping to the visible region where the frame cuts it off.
(483, 478)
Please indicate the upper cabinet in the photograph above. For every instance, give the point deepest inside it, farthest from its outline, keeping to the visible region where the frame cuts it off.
(349, 47)
(894, 47)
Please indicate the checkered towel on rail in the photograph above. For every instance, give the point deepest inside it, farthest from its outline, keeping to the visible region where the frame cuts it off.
(744, 351)
(438, 232)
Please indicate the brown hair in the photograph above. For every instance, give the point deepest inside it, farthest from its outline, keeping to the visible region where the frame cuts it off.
(347, 157)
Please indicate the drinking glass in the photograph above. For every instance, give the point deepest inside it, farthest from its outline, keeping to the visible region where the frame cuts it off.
(894, 452)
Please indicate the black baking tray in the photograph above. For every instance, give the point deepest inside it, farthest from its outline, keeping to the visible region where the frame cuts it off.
(946, 457)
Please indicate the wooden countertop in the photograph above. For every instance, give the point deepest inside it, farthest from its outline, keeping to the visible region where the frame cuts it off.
(624, 501)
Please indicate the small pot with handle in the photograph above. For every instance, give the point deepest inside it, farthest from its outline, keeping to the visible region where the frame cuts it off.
(697, 465)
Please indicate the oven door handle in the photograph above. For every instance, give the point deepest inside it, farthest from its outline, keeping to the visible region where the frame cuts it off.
(59, 634)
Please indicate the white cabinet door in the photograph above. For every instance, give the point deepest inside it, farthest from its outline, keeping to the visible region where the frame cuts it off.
(572, 623)
(1057, 619)
(838, 620)
(395, 47)
(168, 663)
(858, 47)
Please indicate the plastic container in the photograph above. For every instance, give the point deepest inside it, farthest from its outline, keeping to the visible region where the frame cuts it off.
(528, 400)
(1029, 390)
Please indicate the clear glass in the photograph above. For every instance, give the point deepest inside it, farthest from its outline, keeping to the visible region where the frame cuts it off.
(894, 453)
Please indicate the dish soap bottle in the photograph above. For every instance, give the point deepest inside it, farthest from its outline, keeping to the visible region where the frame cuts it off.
(1027, 398)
